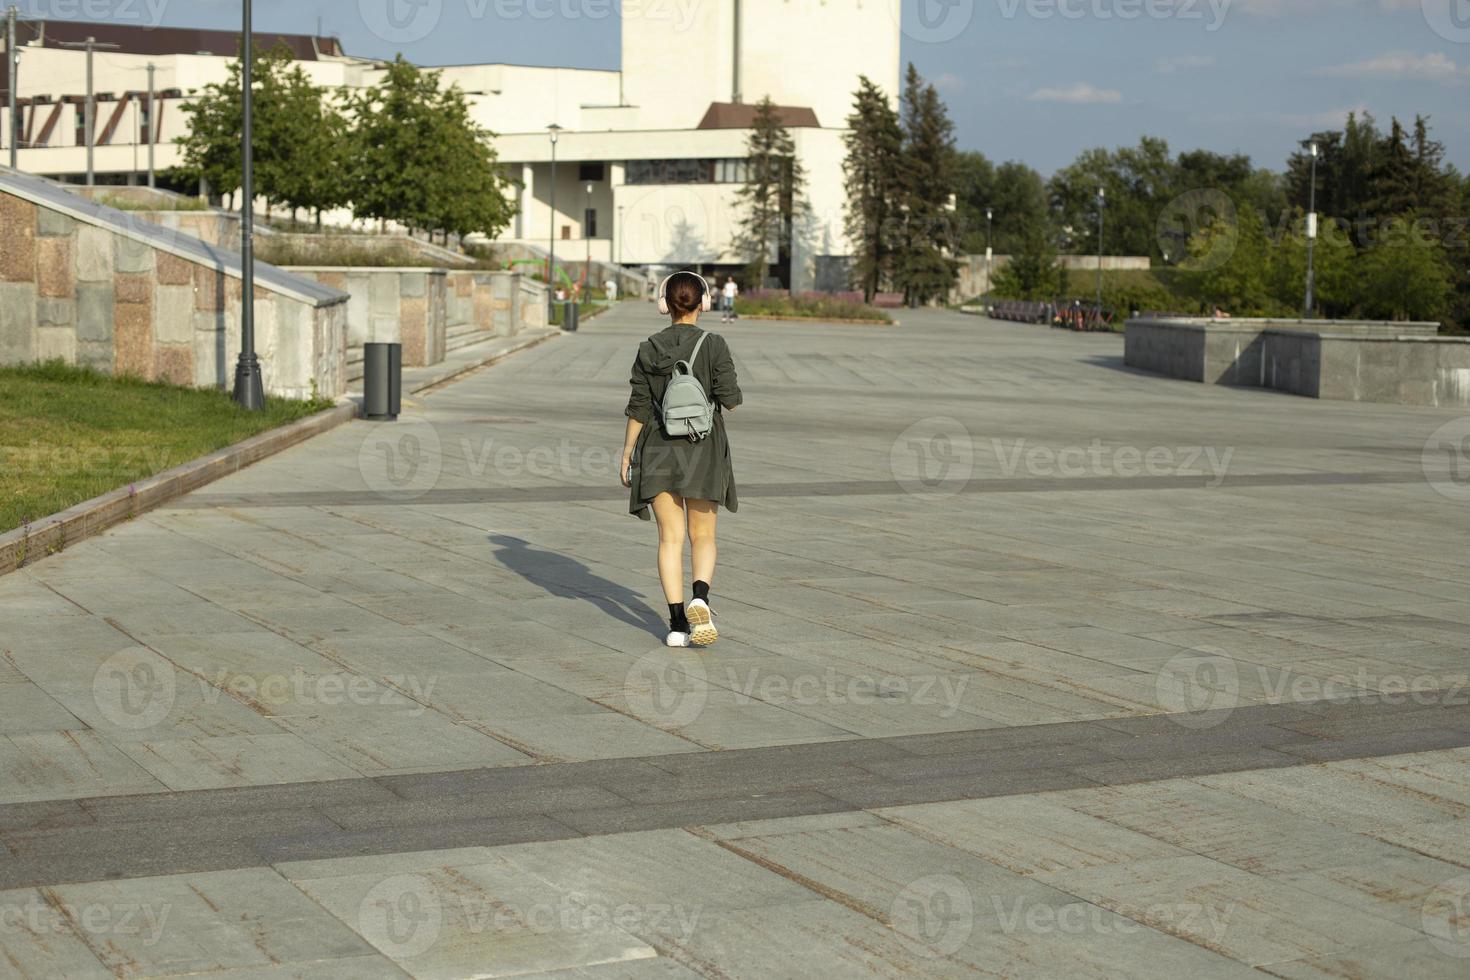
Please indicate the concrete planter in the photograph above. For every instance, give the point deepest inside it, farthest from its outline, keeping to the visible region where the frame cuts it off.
(1350, 360)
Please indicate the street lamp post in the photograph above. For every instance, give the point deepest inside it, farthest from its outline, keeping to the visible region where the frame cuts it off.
(89, 110)
(1311, 235)
(12, 60)
(618, 231)
(554, 131)
(587, 234)
(152, 123)
(249, 389)
(1101, 199)
(989, 215)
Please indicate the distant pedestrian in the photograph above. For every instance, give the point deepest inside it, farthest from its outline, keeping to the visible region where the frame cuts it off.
(727, 300)
(611, 288)
(684, 479)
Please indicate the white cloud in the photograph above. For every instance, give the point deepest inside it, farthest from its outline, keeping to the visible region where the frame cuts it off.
(1080, 93)
(1168, 66)
(1434, 66)
(949, 82)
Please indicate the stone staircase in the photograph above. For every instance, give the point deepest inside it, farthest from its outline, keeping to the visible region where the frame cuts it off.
(456, 338)
(465, 334)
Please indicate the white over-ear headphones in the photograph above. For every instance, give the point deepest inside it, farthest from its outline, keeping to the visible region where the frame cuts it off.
(705, 303)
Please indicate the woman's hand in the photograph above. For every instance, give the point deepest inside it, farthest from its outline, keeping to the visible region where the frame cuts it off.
(625, 469)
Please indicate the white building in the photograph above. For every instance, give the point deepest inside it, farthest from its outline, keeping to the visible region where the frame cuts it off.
(647, 158)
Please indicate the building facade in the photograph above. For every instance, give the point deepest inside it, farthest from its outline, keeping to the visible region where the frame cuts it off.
(648, 158)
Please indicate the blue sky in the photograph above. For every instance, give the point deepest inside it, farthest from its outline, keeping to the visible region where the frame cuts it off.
(1033, 80)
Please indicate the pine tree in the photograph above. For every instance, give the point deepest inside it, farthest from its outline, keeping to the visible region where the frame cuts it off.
(771, 197)
(871, 178)
(923, 268)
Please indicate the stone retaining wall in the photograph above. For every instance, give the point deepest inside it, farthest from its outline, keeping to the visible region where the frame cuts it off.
(95, 286)
(1350, 360)
(396, 305)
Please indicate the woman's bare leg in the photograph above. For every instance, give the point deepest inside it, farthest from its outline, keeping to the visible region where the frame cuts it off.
(668, 510)
(701, 520)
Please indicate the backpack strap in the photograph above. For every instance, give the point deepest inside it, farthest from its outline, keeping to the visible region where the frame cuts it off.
(688, 362)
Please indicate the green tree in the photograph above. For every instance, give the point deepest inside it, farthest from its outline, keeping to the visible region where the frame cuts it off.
(1015, 194)
(311, 125)
(1229, 262)
(770, 198)
(923, 264)
(1032, 271)
(870, 172)
(416, 157)
(1334, 291)
(1405, 277)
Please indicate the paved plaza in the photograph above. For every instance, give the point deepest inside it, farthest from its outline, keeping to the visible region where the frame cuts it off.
(1030, 665)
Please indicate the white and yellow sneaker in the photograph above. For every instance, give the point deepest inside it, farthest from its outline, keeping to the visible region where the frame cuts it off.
(702, 630)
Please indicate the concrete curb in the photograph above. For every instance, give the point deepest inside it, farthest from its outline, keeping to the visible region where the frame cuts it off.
(455, 372)
(818, 319)
(25, 546)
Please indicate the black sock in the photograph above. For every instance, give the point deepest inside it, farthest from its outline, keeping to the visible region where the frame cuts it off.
(676, 614)
(701, 590)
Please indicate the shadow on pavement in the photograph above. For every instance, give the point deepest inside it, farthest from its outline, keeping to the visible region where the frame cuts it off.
(570, 579)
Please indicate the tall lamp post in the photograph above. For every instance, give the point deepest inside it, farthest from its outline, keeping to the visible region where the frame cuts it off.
(249, 390)
(553, 131)
(618, 231)
(12, 60)
(89, 110)
(1311, 235)
(587, 234)
(989, 215)
(152, 124)
(1101, 199)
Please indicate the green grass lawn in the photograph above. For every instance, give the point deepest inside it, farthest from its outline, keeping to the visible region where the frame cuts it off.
(68, 434)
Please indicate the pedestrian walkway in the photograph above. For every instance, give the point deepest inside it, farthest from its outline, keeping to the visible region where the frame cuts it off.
(1029, 665)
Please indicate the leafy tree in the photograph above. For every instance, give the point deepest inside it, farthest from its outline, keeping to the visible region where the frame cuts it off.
(415, 157)
(923, 267)
(771, 196)
(1334, 291)
(870, 172)
(1406, 277)
(1239, 283)
(1015, 193)
(1032, 271)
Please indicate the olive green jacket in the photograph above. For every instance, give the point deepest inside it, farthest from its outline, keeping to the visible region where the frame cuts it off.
(699, 470)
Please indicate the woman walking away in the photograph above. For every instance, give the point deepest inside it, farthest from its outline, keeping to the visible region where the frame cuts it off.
(676, 458)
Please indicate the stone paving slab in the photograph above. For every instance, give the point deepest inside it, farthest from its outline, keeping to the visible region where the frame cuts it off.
(1088, 882)
(222, 825)
(1155, 652)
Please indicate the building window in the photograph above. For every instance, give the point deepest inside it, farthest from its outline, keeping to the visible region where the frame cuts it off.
(699, 171)
(145, 122)
(81, 125)
(592, 171)
(589, 223)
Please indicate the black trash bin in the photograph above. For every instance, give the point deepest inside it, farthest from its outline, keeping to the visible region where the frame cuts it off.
(382, 381)
(569, 315)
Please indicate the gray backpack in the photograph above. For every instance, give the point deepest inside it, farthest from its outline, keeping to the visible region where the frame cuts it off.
(686, 409)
